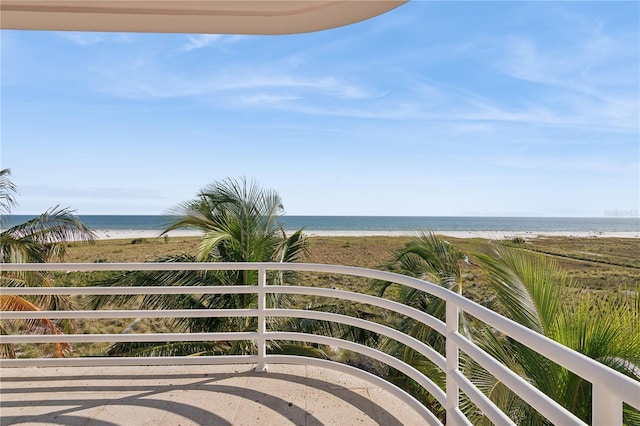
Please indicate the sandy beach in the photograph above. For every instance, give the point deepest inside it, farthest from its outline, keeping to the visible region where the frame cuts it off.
(107, 234)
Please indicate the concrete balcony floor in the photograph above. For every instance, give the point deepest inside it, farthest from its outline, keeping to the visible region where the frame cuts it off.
(195, 395)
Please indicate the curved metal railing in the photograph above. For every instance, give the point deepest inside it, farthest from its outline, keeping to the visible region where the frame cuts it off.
(610, 388)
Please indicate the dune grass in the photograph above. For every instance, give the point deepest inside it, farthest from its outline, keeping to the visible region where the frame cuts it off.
(593, 263)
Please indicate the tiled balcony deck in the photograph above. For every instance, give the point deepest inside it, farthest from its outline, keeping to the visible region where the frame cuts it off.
(195, 395)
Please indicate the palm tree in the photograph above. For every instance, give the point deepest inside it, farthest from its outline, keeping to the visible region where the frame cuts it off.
(239, 224)
(532, 290)
(428, 257)
(238, 220)
(39, 240)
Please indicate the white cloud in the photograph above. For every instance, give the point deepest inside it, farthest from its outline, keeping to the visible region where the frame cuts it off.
(45, 191)
(205, 40)
(83, 39)
(35, 199)
(591, 81)
(200, 41)
(586, 164)
(90, 38)
(144, 80)
(263, 99)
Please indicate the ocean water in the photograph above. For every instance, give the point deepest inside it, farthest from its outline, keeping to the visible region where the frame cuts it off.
(381, 223)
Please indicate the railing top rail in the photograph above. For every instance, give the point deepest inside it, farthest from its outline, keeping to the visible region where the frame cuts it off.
(233, 266)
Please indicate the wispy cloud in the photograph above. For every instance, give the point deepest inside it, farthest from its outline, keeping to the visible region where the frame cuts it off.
(413, 97)
(144, 80)
(263, 99)
(36, 199)
(91, 38)
(584, 164)
(83, 39)
(200, 41)
(571, 84)
(592, 81)
(107, 193)
(583, 67)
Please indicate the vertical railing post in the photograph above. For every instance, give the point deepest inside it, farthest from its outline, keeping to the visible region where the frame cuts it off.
(606, 408)
(262, 319)
(452, 355)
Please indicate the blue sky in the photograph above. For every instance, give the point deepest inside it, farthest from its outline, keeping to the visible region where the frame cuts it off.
(435, 108)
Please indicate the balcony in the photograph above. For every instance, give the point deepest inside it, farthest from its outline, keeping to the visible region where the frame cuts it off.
(294, 388)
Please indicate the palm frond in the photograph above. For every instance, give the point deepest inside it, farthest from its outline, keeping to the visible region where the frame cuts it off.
(43, 237)
(34, 325)
(21, 250)
(529, 286)
(427, 255)
(299, 349)
(212, 239)
(7, 191)
(291, 249)
(166, 349)
(56, 225)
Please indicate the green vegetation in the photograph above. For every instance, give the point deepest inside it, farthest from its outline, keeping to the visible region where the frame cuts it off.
(239, 224)
(39, 240)
(518, 240)
(534, 291)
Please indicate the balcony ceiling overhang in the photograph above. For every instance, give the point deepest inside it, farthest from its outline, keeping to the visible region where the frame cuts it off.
(186, 16)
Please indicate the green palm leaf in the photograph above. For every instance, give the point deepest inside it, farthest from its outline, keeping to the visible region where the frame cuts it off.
(529, 286)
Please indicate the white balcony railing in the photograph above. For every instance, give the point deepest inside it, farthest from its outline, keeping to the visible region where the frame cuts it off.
(610, 388)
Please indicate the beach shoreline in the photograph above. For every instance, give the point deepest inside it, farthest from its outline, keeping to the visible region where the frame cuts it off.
(117, 234)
